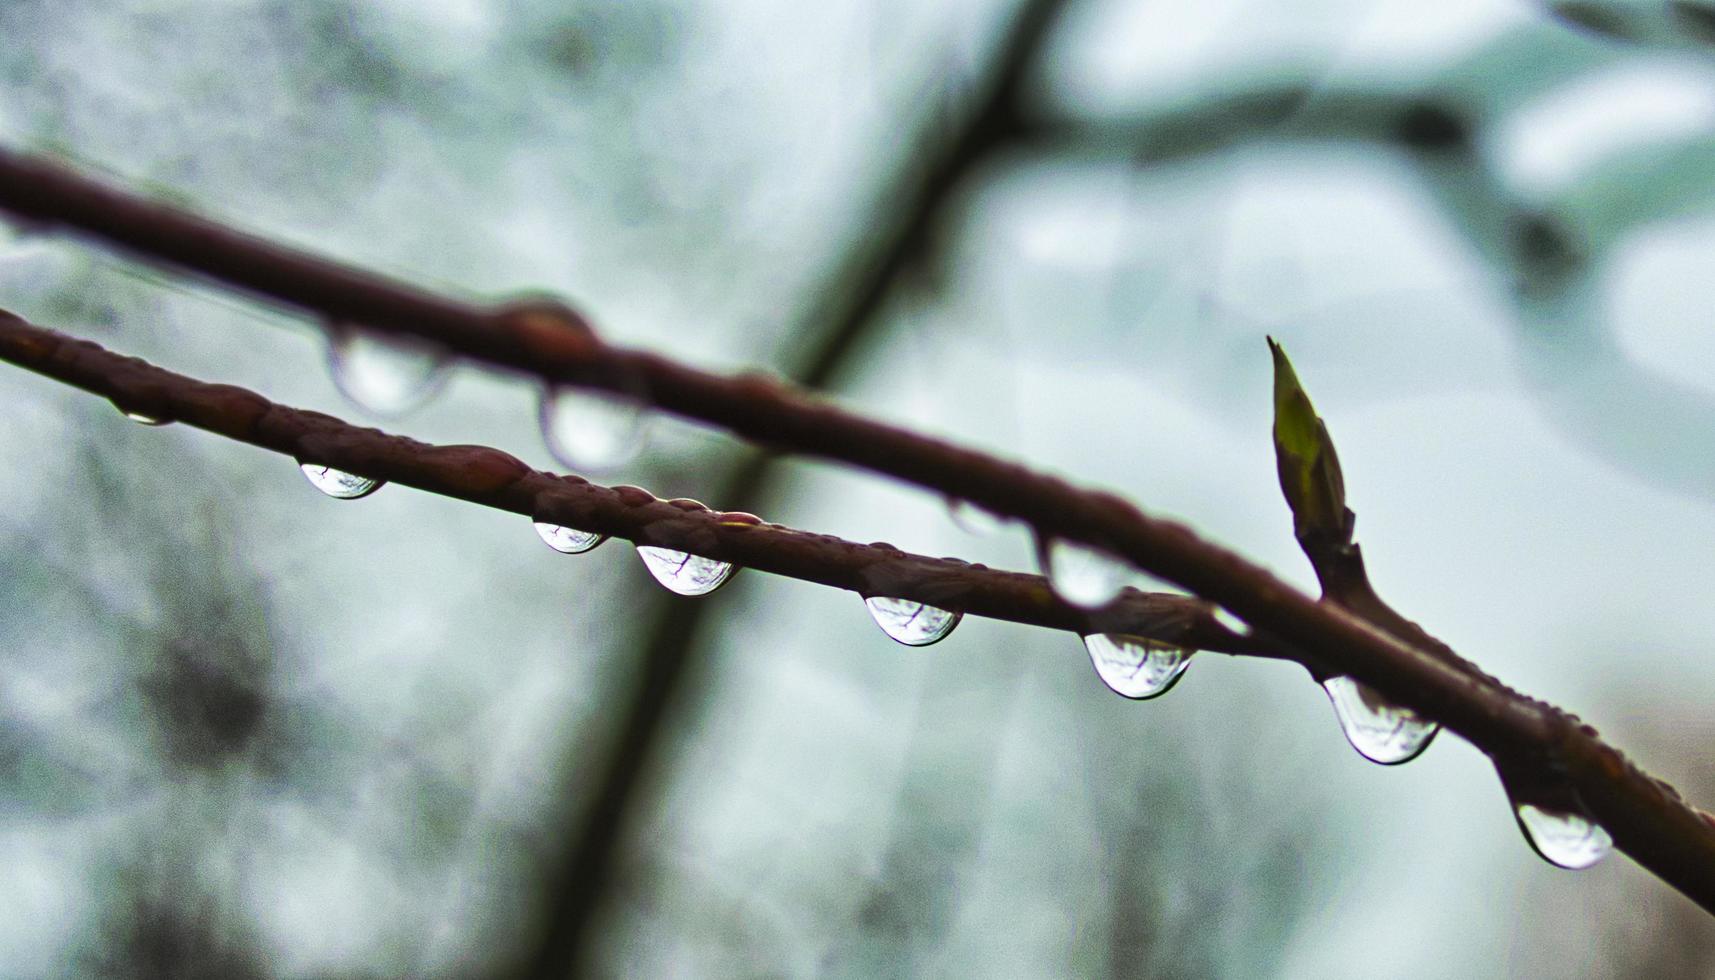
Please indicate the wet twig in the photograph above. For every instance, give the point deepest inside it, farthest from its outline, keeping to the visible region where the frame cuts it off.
(496, 479)
(1645, 817)
(897, 233)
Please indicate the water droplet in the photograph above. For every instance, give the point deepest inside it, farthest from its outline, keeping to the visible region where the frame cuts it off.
(1564, 840)
(972, 519)
(568, 540)
(1381, 731)
(591, 430)
(684, 573)
(383, 374)
(338, 483)
(1567, 840)
(1081, 575)
(1136, 667)
(912, 623)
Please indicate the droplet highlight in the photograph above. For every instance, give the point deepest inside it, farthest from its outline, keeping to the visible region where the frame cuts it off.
(382, 374)
(684, 573)
(1232, 622)
(1381, 731)
(591, 430)
(568, 540)
(141, 418)
(338, 483)
(1566, 840)
(1082, 575)
(1136, 667)
(912, 623)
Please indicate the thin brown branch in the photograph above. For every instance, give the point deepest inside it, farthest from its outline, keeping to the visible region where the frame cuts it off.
(896, 233)
(1645, 817)
(493, 478)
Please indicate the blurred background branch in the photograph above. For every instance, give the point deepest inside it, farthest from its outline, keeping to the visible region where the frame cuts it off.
(948, 143)
(1581, 271)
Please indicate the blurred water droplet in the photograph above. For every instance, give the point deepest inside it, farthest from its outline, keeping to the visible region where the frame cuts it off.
(1081, 575)
(338, 483)
(1382, 732)
(684, 573)
(383, 374)
(1567, 840)
(1136, 667)
(972, 519)
(591, 430)
(912, 623)
(568, 540)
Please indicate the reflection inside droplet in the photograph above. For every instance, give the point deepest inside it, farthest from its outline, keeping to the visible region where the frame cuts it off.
(591, 430)
(568, 540)
(1381, 731)
(338, 483)
(1081, 575)
(387, 375)
(912, 623)
(1566, 840)
(684, 573)
(1136, 667)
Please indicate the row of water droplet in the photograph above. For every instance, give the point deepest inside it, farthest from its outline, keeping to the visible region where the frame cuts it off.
(1380, 731)
(593, 431)
(589, 431)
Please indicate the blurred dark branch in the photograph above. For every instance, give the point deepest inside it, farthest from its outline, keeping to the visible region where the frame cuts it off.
(1645, 817)
(894, 236)
(898, 233)
(1655, 23)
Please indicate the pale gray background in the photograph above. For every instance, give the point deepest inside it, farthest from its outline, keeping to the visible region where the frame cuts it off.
(418, 680)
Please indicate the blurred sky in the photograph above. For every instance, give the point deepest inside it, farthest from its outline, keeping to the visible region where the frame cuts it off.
(425, 682)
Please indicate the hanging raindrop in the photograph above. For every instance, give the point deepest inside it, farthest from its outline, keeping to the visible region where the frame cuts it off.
(383, 374)
(1381, 732)
(1136, 667)
(1081, 575)
(338, 483)
(972, 519)
(684, 573)
(568, 540)
(591, 431)
(912, 623)
(1567, 840)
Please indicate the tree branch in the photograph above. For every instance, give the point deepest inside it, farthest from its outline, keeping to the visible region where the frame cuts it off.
(493, 478)
(1645, 817)
(898, 230)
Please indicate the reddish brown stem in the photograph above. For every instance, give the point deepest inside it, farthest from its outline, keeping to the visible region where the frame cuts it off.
(1646, 819)
(496, 479)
